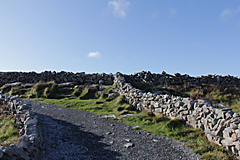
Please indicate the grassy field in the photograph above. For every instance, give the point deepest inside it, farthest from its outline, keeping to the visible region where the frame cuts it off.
(8, 133)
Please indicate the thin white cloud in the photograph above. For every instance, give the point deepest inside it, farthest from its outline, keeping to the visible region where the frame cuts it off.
(119, 7)
(154, 14)
(94, 55)
(228, 12)
(172, 11)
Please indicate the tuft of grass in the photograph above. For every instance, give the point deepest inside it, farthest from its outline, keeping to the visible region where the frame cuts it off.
(8, 133)
(89, 93)
(44, 89)
(77, 92)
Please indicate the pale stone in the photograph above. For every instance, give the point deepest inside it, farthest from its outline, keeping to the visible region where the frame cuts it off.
(127, 145)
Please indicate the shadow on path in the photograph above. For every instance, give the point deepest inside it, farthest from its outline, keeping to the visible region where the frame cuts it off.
(64, 140)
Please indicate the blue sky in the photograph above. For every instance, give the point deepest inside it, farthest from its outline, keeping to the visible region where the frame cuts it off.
(195, 37)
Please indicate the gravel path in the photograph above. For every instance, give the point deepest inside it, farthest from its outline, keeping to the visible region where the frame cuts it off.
(75, 134)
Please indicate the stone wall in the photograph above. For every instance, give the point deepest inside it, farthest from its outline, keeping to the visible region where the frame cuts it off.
(30, 145)
(107, 79)
(178, 79)
(221, 125)
(58, 77)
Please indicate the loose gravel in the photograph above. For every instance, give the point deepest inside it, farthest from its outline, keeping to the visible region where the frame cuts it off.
(76, 134)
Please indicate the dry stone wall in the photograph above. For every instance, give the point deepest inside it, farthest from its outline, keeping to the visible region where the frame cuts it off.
(178, 79)
(30, 145)
(18, 78)
(221, 125)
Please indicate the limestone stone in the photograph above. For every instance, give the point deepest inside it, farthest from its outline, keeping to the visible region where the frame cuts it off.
(233, 126)
(127, 145)
(7, 150)
(227, 142)
(25, 155)
(227, 132)
(1, 153)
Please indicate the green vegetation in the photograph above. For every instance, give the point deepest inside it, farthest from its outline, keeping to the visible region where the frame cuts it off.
(87, 99)
(42, 89)
(177, 130)
(116, 106)
(161, 125)
(229, 97)
(8, 133)
(89, 93)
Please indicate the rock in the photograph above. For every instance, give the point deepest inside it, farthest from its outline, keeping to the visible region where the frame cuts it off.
(233, 126)
(7, 150)
(109, 133)
(1, 153)
(178, 104)
(127, 145)
(14, 84)
(23, 142)
(107, 116)
(113, 95)
(31, 123)
(227, 132)
(25, 155)
(100, 82)
(103, 87)
(101, 92)
(66, 84)
(127, 140)
(136, 127)
(227, 142)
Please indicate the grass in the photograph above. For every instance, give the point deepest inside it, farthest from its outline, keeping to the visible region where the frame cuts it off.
(87, 99)
(101, 106)
(160, 125)
(229, 97)
(8, 133)
(177, 130)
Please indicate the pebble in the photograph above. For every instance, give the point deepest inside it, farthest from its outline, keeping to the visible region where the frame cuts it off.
(128, 140)
(127, 145)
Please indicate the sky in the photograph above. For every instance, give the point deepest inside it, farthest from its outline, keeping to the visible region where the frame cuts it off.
(195, 37)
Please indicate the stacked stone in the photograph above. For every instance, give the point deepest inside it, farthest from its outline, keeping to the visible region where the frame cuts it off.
(222, 126)
(58, 77)
(178, 79)
(30, 145)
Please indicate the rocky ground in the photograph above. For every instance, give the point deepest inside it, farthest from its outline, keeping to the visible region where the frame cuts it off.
(75, 134)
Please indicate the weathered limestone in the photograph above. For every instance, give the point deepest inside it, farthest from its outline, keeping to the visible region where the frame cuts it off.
(30, 145)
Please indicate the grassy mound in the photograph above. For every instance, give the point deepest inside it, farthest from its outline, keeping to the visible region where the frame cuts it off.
(44, 89)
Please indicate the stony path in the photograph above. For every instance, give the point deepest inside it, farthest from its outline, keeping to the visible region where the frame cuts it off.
(75, 134)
